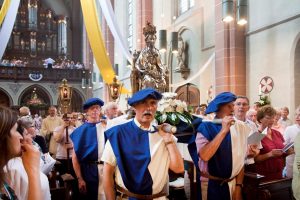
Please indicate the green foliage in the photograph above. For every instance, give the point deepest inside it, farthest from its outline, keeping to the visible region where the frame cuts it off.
(264, 100)
(173, 118)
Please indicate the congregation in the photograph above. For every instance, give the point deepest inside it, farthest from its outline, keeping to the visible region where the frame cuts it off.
(114, 155)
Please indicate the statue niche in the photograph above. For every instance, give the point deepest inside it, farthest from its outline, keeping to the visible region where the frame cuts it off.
(148, 70)
(182, 59)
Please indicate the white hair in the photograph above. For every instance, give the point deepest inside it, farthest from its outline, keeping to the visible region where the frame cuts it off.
(110, 105)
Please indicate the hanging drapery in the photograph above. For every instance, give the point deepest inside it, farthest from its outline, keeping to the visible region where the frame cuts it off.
(8, 25)
(95, 38)
(111, 20)
(204, 67)
(4, 10)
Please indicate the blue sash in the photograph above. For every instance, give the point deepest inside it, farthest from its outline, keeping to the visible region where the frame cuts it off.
(131, 148)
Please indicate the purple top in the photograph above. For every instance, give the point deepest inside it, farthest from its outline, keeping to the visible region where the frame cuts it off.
(201, 141)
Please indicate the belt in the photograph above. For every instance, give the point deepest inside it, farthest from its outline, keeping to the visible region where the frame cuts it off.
(125, 193)
(222, 180)
(95, 162)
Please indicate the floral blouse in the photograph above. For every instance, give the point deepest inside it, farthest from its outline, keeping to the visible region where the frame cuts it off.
(8, 193)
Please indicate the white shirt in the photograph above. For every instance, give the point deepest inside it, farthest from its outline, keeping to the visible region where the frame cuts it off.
(19, 180)
(61, 152)
(289, 135)
(158, 166)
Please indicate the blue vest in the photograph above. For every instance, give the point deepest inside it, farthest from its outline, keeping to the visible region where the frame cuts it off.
(85, 145)
(220, 164)
(130, 145)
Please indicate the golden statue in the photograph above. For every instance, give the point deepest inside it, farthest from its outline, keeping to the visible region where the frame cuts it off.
(148, 70)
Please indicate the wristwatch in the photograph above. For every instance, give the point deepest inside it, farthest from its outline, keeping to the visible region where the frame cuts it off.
(239, 185)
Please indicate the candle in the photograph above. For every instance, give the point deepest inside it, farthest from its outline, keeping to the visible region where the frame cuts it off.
(259, 89)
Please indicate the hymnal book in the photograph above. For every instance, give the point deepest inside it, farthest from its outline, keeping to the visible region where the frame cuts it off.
(287, 147)
(256, 137)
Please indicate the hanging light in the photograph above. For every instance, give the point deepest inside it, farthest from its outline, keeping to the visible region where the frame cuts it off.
(83, 83)
(90, 83)
(241, 13)
(162, 40)
(174, 42)
(115, 89)
(227, 8)
(65, 95)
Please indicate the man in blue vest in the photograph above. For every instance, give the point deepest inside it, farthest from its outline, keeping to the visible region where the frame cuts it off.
(138, 155)
(88, 144)
(222, 148)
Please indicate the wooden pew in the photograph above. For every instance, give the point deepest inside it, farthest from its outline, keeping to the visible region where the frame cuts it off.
(255, 188)
(61, 186)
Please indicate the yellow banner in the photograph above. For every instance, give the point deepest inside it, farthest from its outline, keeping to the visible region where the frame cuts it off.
(93, 30)
(4, 10)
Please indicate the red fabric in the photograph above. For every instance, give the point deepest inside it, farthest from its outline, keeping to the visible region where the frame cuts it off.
(272, 167)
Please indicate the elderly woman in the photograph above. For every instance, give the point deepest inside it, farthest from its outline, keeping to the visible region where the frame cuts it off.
(28, 123)
(12, 145)
(270, 161)
(276, 125)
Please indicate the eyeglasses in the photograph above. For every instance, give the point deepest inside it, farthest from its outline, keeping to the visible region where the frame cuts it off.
(269, 117)
(241, 104)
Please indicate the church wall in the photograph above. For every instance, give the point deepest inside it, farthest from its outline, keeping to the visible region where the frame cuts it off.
(270, 51)
(196, 27)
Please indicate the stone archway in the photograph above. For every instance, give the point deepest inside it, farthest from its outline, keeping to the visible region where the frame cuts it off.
(5, 99)
(297, 73)
(189, 93)
(36, 98)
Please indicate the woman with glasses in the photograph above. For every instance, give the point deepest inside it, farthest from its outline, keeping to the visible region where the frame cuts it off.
(270, 161)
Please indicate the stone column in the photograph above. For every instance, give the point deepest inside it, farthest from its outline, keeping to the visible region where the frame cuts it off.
(230, 48)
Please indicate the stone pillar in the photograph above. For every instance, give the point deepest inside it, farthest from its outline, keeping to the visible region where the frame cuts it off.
(230, 48)
(144, 13)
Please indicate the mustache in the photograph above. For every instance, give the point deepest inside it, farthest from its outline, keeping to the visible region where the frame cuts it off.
(147, 113)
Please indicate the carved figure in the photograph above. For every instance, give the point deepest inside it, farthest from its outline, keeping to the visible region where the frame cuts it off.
(148, 66)
(181, 54)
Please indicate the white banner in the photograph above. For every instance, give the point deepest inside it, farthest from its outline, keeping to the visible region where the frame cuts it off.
(8, 25)
(197, 74)
(114, 28)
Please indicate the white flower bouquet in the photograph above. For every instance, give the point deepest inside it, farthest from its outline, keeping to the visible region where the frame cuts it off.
(172, 111)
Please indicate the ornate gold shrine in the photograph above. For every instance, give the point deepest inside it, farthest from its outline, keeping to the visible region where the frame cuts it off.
(148, 70)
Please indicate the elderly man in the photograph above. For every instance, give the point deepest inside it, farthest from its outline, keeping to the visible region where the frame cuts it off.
(111, 110)
(138, 155)
(241, 106)
(24, 111)
(88, 145)
(223, 148)
(48, 125)
(285, 121)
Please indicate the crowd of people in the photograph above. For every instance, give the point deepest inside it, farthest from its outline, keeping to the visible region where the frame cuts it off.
(114, 155)
(47, 63)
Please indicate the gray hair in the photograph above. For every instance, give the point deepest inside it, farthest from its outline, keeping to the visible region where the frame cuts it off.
(26, 121)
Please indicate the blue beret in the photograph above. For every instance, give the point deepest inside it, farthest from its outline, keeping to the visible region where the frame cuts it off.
(92, 101)
(220, 99)
(144, 94)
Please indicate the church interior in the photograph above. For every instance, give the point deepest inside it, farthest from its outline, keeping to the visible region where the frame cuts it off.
(62, 53)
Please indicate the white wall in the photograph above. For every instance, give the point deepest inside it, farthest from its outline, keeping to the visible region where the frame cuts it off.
(270, 52)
